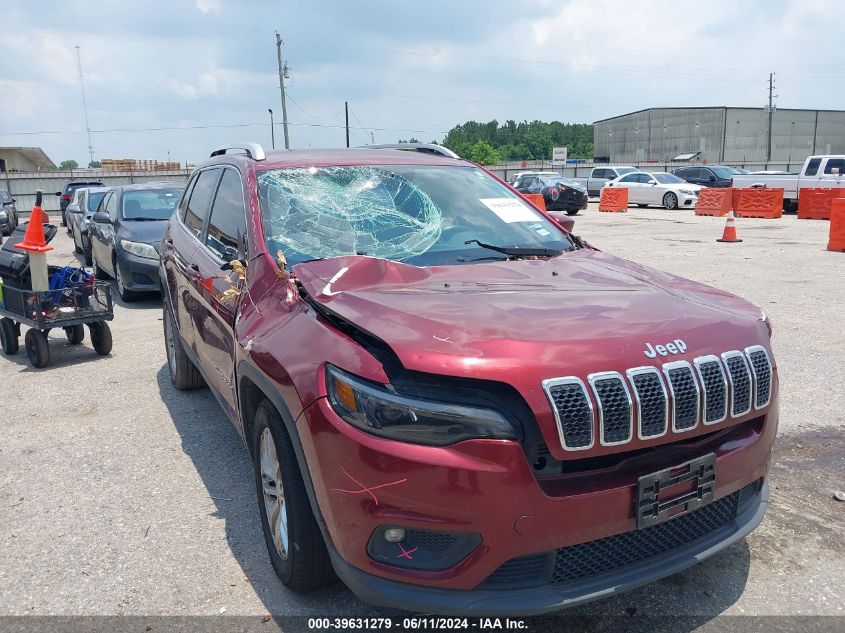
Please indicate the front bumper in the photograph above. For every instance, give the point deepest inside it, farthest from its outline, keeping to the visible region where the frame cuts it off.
(487, 487)
(687, 201)
(537, 600)
(139, 274)
(568, 202)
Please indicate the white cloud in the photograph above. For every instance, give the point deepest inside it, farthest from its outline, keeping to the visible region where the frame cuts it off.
(209, 6)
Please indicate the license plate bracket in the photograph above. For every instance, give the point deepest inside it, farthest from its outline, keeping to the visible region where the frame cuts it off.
(652, 509)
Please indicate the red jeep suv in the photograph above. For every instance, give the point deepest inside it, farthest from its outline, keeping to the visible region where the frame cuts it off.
(452, 403)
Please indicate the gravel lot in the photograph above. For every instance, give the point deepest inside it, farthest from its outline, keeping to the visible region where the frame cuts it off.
(119, 495)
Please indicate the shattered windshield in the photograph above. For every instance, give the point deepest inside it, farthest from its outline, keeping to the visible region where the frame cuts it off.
(421, 215)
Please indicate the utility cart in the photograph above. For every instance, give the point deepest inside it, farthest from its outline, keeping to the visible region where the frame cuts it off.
(75, 299)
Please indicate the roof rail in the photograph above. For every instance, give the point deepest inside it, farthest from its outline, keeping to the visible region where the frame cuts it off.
(425, 148)
(253, 150)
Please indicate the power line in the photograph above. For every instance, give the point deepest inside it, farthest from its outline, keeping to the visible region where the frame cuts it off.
(313, 116)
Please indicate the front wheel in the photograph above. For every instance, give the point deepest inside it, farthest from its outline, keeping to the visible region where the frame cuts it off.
(294, 541)
(670, 201)
(572, 211)
(76, 247)
(9, 336)
(125, 294)
(37, 348)
(64, 219)
(101, 337)
(99, 273)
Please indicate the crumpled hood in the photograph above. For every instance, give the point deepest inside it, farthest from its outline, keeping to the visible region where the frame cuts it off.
(584, 311)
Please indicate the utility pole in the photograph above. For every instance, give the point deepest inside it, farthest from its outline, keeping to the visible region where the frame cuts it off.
(84, 105)
(283, 72)
(346, 108)
(272, 129)
(771, 112)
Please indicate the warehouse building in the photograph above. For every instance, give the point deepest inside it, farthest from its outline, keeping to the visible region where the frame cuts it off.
(721, 135)
(24, 159)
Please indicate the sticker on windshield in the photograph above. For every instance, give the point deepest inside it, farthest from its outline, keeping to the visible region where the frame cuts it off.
(538, 229)
(510, 210)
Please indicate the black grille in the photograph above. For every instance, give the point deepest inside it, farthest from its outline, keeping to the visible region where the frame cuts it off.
(615, 409)
(573, 410)
(434, 541)
(685, 397)
(741, 384)
(715, 391)
(651, 398)
(614, 553)
(762, 375)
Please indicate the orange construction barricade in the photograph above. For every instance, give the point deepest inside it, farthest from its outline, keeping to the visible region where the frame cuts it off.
(536, 199)
(714, 201)
(735, 193)
(837, 225)
(760, 202)
(814, 202)
(614, 199)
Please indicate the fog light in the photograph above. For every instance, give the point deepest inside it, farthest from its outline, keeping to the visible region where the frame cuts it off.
(394, 535)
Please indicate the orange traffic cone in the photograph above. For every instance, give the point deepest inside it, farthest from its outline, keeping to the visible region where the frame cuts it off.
(729, 234)
(33, 239)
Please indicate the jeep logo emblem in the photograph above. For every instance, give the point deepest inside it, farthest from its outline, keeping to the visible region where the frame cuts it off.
(675, 347)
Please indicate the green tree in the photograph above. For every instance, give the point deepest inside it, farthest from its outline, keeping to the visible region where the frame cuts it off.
(69, 164)
(94, 164)
(522, 141)
(484, 153)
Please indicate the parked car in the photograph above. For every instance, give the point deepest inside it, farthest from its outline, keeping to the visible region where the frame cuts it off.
(83, 205)
(66, 194)
(824, 171)
(8, 213)
(125, 235)
(559, 193)
(707, 175)
(600, 176)
(661, 188)
(450, 402)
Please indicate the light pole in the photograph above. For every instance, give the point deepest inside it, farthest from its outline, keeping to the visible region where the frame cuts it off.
(272, 129)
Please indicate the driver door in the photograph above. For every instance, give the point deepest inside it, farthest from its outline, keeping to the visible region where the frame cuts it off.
(650, 190)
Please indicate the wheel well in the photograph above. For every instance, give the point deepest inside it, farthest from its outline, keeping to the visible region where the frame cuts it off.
(250, 397)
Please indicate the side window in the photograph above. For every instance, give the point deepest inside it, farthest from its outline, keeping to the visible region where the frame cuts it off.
(101, 208)
(200, 200)
(227, 226)
(601, 173)
(837, 163)
(813, 167)
(186, 195)
(519, 184)
(645, 178)
(111, 206)
(630, 178)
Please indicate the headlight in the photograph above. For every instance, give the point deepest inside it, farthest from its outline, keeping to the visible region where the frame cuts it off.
(139, 249)
(687, 192)
(376, 410)
(4, 216)
(765, 319)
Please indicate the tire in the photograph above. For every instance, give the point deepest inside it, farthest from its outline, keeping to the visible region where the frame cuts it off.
(183, 373)
(86, 254)
(670, 201)
(64, 218)
(301, 561)
(75, 334)
(572, 211)
(127, 295)
(76, 247)
(9, 336)
(37, 348)
(99, 273)
(101, 337)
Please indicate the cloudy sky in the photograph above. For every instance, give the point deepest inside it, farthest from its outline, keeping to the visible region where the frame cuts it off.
(182, 76)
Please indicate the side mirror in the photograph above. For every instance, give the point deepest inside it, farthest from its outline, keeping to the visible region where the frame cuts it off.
(711, 179)
(834, 171)
(653, 183)
(101, 218)
(58, 194)
(230, 253)
(562, 220)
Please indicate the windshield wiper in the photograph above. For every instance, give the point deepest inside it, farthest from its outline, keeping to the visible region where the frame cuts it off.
(518, 251)
(143, 219)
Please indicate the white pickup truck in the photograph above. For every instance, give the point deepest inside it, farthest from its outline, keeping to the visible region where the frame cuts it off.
(600, 176)
(818, 171)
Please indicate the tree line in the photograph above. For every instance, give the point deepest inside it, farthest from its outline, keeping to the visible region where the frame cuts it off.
(491, 142)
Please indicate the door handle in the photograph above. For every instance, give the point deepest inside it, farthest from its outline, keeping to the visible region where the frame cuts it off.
(193, 271)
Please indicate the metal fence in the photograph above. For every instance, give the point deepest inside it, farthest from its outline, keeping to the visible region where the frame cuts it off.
(582, 170)
(23, 185)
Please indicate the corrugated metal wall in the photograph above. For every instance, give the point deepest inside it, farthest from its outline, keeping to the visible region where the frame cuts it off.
(23, 186)
(660, 134)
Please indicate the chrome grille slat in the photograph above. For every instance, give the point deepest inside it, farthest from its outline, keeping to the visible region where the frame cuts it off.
(573, 412)
(683, 387)
(714, 388)
(652, 401)
(739, 377)
(761, 370)
(616, 415)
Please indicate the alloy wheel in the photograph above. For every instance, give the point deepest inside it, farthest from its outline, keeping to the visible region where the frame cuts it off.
(274, 493)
